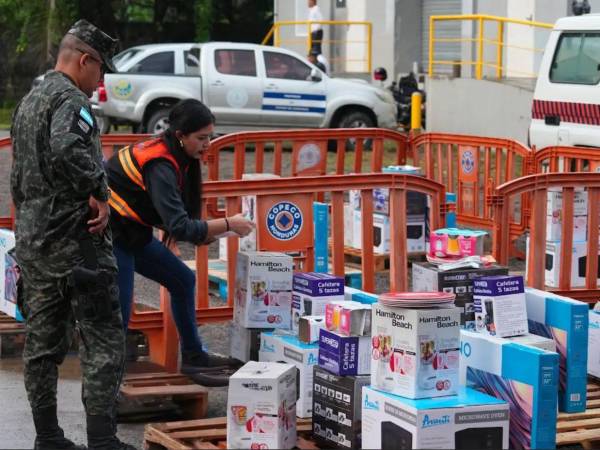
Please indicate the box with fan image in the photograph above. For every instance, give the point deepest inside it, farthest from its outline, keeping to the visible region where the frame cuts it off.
(526, 377)
(9, 275)
(415, 352)
(566, 322)
(261, 411)
(468, 420)
(263, 290)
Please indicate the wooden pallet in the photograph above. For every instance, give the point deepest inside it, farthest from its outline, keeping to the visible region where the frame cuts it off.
(206, 434)
(12, 336)
(353, 258)
(149, 395)
(582, 428)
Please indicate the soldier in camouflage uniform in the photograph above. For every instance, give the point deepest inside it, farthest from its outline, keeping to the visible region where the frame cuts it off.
(62, 244)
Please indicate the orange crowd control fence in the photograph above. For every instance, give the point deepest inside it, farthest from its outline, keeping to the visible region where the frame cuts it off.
(294, 196)
(537, 187)
(567, 159)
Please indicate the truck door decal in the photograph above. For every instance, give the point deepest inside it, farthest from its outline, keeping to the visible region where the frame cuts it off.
(289, 101)
(584, 113)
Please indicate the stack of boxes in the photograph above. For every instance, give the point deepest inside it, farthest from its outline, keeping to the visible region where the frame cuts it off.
(9, 275)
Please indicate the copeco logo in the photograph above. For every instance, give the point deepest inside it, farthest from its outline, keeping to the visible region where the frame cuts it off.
(433, 422)
(284, 221)
(467, 162)
(371, 405)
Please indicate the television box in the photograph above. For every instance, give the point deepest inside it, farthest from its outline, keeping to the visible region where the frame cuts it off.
(566, 322)
(594, 344)
(309, 327)
(344, 355)
(9, 275)
(535, 341)
(263, 290)
(468, 420)
(270, 347)
(416, 202)
(312, 292)
(415, 352)
(524, 376)
(261, 409)
(337, 409)
(245, 342)
(321, 235)
(428, 278)
(500, 305)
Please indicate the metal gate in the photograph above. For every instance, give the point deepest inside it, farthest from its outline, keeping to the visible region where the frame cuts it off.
(447, 51)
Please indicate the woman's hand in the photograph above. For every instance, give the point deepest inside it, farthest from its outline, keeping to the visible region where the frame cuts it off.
(240, 225)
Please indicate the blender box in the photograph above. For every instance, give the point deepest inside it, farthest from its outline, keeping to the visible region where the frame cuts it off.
(309, 327)
(526, 377)
(427, 277)
(261, 409)
(270, 347)
(263, 290)
(337, 409)
(344, 355)
(304, 357)
(468, 420)
(321, 233)
(500, 305)
(594, 344)
(9, 274)
(312, 292)
(415, 352)
(566, 322)
(535, 341)
(245, 342)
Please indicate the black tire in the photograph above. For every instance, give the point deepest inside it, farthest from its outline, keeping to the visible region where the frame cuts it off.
(356, 119)
(158, 121)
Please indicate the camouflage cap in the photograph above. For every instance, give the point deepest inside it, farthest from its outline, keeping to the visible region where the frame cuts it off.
(98, 40)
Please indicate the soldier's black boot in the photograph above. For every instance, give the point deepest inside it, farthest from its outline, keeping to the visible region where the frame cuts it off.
(101, 432)
(49, 436)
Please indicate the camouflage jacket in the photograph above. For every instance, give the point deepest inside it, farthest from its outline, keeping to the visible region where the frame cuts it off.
(57, 165)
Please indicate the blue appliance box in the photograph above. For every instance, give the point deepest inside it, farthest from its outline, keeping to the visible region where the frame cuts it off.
(566, 321)
(344, 355)
(524, 376)
(318, 284)
(321, 227)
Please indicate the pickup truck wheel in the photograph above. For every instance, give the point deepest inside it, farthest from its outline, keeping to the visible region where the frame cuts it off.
(158, 122)
(356, 119)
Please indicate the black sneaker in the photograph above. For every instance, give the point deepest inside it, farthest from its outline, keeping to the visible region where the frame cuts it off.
(57, 443)
(196, 362)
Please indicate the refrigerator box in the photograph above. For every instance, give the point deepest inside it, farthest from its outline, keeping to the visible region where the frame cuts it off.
(526, 377)
(337, 409)
(263, 290)
(415, 352)
(500, 305)
(566, 322)
(261, 409)
(535, 341)
(309, 327)
(245, 342)
(312, 292)
(9, 275)
(427, 277)
(468, 420)
(594, 344)
(344, 355)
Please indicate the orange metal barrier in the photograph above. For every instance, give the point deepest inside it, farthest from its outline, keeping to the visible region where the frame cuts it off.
(158, 324)
(537, 186)
(567, 159)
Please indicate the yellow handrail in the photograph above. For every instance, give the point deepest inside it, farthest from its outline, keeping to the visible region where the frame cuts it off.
(274, 32)
(479, 63)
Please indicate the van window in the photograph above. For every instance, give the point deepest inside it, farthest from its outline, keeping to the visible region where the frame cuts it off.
(577, 59)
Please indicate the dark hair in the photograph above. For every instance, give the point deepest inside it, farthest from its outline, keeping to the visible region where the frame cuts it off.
(188, 116)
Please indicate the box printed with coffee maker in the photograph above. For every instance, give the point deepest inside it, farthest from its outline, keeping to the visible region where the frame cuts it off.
(312, 292)
(337, 409)
(427, 277)
(263, 290)
(415, 352)
(344, 355)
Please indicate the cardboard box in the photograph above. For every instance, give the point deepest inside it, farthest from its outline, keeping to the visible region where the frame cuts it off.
(428, 278)
(355, 320)
(261, 406)
(416, 234)
(415, 352)
(525, 377)
(245, 342)
(468, 420)
(8, 276)
(500, 305)
(566, 322)
(381, 232)
(594, 344)
(263, 290)
(534, 341)
(337, 406)
(344, 355)
(270, 347)
(309, 327)
(321, 236)
(348, 225)
(554, 228)
(554, 203)
(416, 202)
(304, 357)
(312, 292)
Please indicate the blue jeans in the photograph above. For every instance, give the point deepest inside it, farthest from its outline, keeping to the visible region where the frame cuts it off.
(158, 263)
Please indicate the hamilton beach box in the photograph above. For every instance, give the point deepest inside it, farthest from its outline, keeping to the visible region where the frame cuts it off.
(566, 322)
(469, 420)
(525, 377)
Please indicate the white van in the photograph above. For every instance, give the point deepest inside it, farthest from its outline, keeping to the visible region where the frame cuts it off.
(566, 101)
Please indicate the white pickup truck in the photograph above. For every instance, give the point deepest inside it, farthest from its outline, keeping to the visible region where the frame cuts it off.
(247, 87)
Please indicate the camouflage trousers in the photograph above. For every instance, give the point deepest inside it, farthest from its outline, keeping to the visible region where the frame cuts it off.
(51, 306)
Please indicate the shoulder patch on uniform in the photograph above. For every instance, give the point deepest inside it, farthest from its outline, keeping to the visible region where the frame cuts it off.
(86, 116)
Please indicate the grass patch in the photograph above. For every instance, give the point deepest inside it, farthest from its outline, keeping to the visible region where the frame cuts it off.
(5, 116)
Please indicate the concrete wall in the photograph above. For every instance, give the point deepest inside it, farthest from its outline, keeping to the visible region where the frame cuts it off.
(478, 107)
